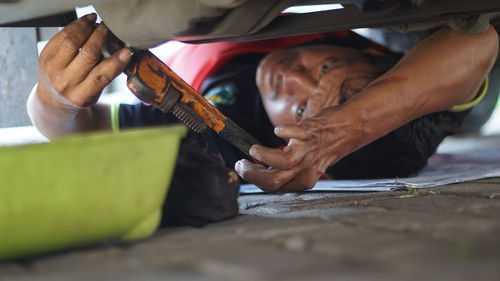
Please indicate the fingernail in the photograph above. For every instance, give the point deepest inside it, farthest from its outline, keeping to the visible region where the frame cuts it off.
(237, 166)
(252, 151)
(92, 17)
(277, 130)
(125, 55)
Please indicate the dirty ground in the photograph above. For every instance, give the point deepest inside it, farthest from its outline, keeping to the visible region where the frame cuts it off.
(444, 233)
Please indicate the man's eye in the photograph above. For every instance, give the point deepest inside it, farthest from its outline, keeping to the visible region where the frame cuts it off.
(300, 110)
(330, 64)
(325, 68)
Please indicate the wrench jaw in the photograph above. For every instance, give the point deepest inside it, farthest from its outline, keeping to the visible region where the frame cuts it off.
(141, 90)
(187, 116)
(167, 97)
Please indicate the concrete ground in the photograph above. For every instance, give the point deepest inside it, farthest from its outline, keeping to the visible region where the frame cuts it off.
(444, 233)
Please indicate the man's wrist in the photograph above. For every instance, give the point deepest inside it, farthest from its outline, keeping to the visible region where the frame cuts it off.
(368, 120)
(48, 119)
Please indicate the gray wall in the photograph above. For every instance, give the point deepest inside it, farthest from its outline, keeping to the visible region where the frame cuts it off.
(18, 74)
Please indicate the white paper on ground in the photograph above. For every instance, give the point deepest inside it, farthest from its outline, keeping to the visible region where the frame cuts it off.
(442, 169)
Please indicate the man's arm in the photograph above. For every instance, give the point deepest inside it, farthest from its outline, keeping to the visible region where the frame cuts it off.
(444, 70)
(72, 77)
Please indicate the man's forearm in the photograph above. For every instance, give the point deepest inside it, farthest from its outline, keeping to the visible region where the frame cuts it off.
(445, 70)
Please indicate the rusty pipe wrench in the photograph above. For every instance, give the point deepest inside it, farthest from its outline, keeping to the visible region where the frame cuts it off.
(156, 84)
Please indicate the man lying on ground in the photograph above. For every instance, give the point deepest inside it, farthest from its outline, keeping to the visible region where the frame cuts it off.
(339, 110)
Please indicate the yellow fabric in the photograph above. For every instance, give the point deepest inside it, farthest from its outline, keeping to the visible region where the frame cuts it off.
(115, 117)
(471, 104)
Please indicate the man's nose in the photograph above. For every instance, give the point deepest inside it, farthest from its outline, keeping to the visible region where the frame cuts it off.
(298, 81)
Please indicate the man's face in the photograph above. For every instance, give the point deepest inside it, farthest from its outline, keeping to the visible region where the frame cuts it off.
(289, 78)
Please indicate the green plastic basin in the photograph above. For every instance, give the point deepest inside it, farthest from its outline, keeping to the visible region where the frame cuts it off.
(84, 189)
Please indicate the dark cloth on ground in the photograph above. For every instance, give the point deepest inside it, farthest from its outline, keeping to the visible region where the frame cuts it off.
(203, 189)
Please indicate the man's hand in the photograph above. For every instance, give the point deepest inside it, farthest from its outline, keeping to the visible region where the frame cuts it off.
(71, 66)
(72, 77)
(314, 144)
